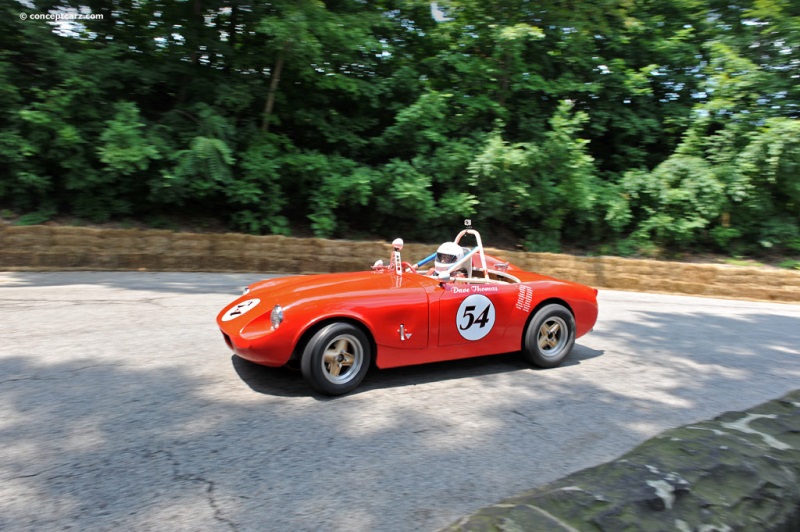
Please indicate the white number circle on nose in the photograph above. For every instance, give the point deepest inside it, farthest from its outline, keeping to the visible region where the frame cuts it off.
(475, 317)
(237, 310)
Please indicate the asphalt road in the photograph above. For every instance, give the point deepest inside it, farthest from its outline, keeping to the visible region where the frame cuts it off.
(122, 408)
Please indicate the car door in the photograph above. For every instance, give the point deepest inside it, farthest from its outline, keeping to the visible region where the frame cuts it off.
(474, 315)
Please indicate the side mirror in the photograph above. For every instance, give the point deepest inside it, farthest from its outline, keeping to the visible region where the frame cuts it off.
(445, 278)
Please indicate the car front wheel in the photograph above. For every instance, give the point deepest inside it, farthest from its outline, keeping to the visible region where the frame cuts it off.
(336, 359)
(549, 337)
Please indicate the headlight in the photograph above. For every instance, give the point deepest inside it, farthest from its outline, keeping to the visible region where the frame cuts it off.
(276, 316)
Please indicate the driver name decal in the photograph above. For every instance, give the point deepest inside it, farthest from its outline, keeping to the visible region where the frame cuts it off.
(473, 289)
(475, 318)
(241, 308)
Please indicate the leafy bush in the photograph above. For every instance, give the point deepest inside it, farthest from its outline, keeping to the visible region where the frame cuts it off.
(538, 188)
(35, 218)
(679, 201)
(369, 117)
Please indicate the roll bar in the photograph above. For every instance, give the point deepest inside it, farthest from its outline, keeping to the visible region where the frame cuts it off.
(477, 249)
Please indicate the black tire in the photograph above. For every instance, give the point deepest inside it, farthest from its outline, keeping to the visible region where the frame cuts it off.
(549, 337)
(336, 359)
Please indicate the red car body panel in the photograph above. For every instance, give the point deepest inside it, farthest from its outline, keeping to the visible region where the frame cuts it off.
(410, 318)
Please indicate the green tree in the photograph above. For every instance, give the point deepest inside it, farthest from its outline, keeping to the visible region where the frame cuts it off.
(539, 189)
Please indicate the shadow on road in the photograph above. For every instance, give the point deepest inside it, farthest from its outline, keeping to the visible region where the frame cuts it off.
(182, 444)
(285, 382)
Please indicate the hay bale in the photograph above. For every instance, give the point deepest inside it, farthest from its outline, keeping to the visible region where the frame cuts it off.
(563, 262)
(340, 248)
(790, 293)
(219, 263)
(30, 237)
(181, 262)
(121, 240)
(65, 258)
(130, 261)
(250, 256)
(292, 248)
(321, 246)
(16, 258)
(281, 264)
(308, 264)
(84, 238)
(264, 244)
(347, 264)
(784, 295)
(583, 277)
(251, 263)
(596, 267)
(660, 285)
(55, 247)
(762, 293)
(690, 288)
(667, 270)
(626, 282)
(790, 277)
(411, 253)
(374, 248)
(154, 241)
(222, 244)
(560, 273)
(260, 247)
(192, 244)
(780, 278)
(693, 273)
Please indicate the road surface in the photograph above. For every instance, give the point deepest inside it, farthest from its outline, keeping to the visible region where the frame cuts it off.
(122, 408)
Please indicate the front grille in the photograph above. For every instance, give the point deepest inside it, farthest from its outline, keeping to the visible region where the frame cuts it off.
(228, 340)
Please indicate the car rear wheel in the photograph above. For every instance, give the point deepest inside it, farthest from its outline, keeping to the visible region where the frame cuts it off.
(549, 337)
(336, 359)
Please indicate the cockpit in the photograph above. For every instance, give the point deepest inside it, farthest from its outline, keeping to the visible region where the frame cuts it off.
(453, 262)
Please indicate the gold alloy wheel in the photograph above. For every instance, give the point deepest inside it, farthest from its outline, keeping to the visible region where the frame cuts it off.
(553, 335)
(342, 359)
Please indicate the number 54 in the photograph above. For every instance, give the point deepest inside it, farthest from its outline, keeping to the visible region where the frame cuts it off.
(469, 313)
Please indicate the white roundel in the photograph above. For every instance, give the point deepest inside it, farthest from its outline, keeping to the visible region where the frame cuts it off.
(476, 317)
(237, 310)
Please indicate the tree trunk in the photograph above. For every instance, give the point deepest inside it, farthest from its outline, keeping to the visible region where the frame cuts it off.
(273, 88)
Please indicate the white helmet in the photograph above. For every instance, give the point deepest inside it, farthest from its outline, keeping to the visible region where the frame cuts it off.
(448, 254)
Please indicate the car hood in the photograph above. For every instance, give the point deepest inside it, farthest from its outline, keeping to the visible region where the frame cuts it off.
(302, 286)
(316, 289)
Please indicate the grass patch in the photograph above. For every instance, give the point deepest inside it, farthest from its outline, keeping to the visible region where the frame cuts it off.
(790, 264)
(739, 261)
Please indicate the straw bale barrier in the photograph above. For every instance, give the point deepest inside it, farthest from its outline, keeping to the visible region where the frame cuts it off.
(44, 247)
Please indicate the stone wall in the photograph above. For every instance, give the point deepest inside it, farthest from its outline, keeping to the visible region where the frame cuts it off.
(44, 247)
(739, 471)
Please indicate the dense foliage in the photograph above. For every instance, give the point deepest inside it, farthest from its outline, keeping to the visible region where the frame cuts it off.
(619, 125)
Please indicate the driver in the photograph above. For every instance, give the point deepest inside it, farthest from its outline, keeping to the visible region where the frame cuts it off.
(448, 254)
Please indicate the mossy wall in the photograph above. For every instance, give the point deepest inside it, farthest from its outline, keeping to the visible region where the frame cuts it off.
(739, 471)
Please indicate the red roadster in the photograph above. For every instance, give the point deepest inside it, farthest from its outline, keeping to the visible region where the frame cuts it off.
(469, 304)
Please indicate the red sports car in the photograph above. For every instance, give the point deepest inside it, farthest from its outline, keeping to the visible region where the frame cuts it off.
(468, 304)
